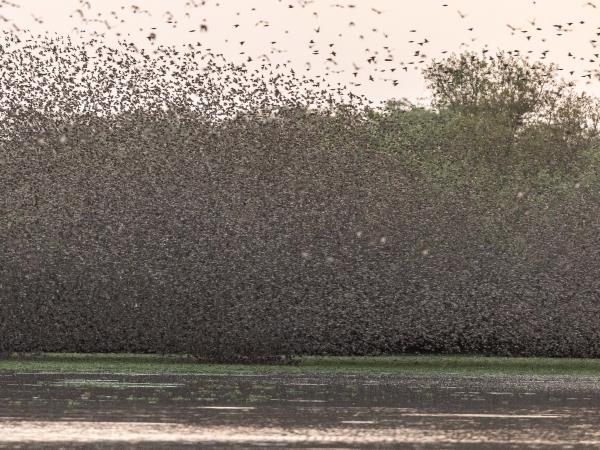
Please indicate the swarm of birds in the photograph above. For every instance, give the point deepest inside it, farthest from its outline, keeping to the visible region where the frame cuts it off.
(58, 77)
(379, 62)
(206, 189)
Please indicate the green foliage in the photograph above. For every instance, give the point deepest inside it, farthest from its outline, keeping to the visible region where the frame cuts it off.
(506, 86)
(504, 132)
(496, 124)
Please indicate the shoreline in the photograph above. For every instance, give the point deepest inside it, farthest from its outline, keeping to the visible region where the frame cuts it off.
(127, 363)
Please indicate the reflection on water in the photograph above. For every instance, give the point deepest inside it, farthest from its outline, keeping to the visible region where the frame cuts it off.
(299, 409)
(151, 432)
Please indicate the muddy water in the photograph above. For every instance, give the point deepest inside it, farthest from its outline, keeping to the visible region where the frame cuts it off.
(191, 411)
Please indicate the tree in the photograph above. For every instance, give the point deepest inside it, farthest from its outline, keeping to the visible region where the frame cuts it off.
(506, 86)
(507, 110)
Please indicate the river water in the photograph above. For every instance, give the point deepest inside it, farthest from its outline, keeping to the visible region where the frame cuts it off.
(272, 411)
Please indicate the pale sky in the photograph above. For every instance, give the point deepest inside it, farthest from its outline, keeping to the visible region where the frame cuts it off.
(381, 23)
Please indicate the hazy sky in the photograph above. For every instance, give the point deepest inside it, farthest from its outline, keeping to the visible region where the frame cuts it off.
(358, 30)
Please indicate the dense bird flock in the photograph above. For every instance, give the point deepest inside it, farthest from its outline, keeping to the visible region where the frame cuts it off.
(376, 57)
(172, 201)
(378, 62)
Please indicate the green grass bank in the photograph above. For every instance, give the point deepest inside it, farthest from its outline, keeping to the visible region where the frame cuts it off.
(367, 365)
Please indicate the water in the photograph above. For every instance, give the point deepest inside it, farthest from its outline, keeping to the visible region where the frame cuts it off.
(170, 411)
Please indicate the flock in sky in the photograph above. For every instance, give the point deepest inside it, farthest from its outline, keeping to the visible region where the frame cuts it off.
(377, 61)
